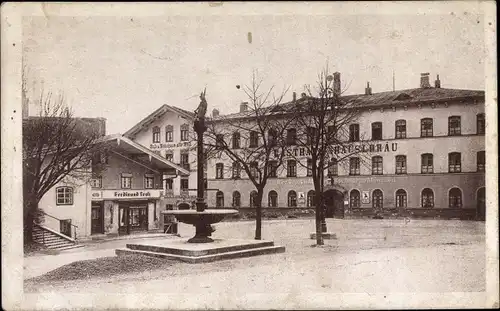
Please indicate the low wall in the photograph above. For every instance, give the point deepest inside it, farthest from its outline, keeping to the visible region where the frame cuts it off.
(417, 213)
(272, 213)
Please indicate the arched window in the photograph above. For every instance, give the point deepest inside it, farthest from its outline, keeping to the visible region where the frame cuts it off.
(291, 136)
(354, 199)
(401, 129)
(426, 127)
(236, 140)
(311, 199)
(272, 199)
(376, 130)
(169, 133)
(454, 126)
(427, 198)
(427, 163)
(377, 165)
(219, 199)
(481, 161)
(219, 171)
(64, 196)
(236, 170)
(236, 199)
(184, 132)
(156, 134)
(378, 199)
(292, 199)
(354, 132)
(401, 198)
(480, 124)
(400, 164)
(454, 162)
(455, 198)
(272, 136)
(333, 168)
(253, 198)
(254, 169)
(254, 139)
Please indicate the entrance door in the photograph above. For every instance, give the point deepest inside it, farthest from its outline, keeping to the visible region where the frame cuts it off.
(334, 202)
(481, 204)
(123, 218)
(65, 227)
(97, 219)
(138, 218)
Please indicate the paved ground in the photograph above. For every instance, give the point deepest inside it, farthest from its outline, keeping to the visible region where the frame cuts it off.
(375, 256)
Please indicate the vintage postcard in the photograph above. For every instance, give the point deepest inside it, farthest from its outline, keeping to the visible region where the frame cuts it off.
(231, 155)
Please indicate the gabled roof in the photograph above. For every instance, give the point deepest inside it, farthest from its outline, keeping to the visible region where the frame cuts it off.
(158, 113)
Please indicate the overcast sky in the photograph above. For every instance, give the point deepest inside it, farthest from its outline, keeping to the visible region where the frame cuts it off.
(123, 68)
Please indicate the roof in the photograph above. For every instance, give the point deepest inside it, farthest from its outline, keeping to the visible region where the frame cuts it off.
(158, 113)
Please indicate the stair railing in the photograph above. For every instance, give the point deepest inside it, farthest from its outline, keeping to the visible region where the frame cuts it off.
(73, 231)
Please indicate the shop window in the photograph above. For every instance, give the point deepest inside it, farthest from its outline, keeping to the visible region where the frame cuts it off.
(236, 140)
(149, 182)
(236, 170)
(309, 167)
(455, 198)
(401, 129)
(291, 168)
(126, 181)
(427, 198)
(454, 126)
(253, 199)
(96, 182)
(427, 163)
(273, 169)
(219, 171)
(64, 196)
(426, 127)
(219, 199)
(156, 134)
(454, 162)
(480, 124)
(354, 132)
(169, 133)
(377, 199)
(273, 199)
(377, 131)
(311, 199)
(377, 165)
(292, 199)
(481, 161)
(354, 199)
(400, 164)
(401, 198)
(184, 132)
(254, 139)
(354, 166)
(236, 199)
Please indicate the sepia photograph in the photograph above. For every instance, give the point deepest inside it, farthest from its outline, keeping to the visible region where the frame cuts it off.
(231, 155)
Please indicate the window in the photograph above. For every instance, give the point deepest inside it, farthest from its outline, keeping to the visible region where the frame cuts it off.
(355, 199)
(169, 156)
(481, 161)
(311, 199)
(156, 134)
(400, 164)
(236, 170)
(273, 168)
(64, 196)
(253, 198)
(401, 198)
(272, 199)
(455, 198)
(272, 137)
(354, 167)
(454, 126)
(96, 182)
(378, 199)
(149, 182)
(254, 139)
(401, 129)
(291, 137)
(126, 181)
(426, 127)
(291, 168)
(292, 199)
(354, 132)
(427, 198)
(185, 160)
(236, 199)
(254, 169)
(169, 183)
(219, 171)
(331, 133)
(184, 132)
(377, 165)
(480, 124)
(169, 133)
(427, 163)
(219, 199)
(309, 167)
(184, 184)
(311, 133)
(219, 141)
(236, 140)
(454, 162)
(333, 168)
(377, 131)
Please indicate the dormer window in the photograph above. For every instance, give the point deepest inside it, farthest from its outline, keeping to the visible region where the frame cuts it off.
(403, 96)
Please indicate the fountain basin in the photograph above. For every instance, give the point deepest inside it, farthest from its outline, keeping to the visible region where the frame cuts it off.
(208, 216)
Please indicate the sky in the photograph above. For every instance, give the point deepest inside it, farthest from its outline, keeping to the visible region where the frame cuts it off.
(123, 68)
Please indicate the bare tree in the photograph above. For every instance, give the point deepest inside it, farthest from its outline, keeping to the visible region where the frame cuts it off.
(321, 126)
(252, 140)
(56, 147)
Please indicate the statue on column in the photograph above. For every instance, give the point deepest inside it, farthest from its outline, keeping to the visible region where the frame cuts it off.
(202, 107)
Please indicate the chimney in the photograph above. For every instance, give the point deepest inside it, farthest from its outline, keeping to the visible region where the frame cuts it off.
(437, 83)
(215, 113)
(368, 89)
(243, 106)
(424, 80)
(294, 96)
(336, 83)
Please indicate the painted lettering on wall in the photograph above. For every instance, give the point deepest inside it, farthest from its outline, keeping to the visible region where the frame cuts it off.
(169, 146)
(125, 194)
(363, 148)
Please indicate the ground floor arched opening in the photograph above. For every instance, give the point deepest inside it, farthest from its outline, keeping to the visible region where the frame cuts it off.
(334, 204)
(481, 204)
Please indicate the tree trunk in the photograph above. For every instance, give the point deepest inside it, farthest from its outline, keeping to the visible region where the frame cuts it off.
(319, 213)
(258, 215)
(30, 212)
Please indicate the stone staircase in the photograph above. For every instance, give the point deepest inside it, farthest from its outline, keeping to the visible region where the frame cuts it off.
(52, 239)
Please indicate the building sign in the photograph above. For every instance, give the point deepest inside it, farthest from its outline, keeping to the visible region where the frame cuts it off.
(96, 195)
(131, 194)
(365, 197)
(169, 146)
(346, 149)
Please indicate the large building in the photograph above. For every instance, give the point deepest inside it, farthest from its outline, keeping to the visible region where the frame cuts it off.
(421, 153)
